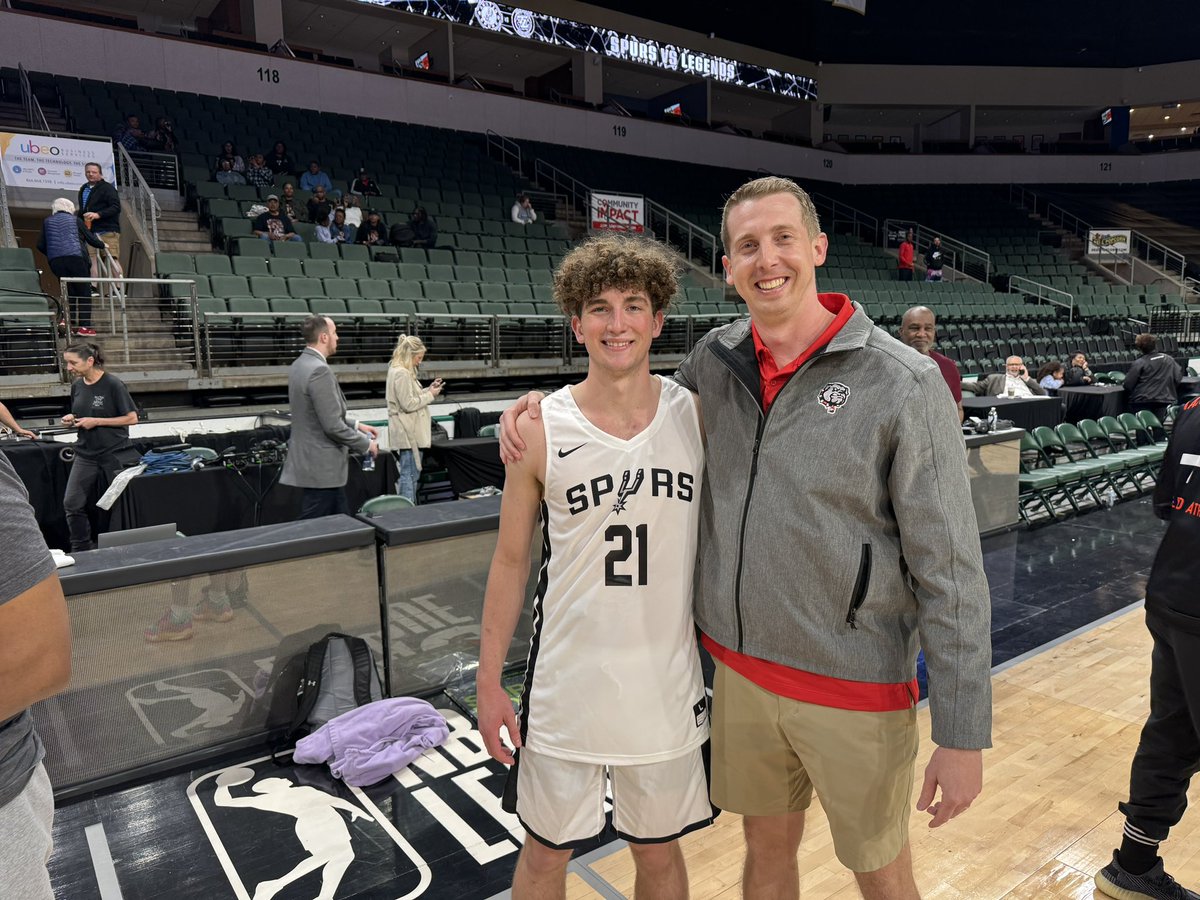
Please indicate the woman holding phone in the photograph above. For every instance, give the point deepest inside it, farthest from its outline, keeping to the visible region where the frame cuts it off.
(409, 422)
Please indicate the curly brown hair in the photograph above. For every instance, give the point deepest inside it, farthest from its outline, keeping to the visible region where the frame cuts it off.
(616, 261)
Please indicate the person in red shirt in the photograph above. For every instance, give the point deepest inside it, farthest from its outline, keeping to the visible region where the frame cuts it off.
(918, 329)
(907, 252)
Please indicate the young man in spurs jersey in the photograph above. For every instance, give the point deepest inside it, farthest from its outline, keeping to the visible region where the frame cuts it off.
(613, 685)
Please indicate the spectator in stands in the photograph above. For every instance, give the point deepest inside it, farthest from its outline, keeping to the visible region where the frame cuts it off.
(933, 261)
(372, 232)
(315, 178)
(409, 423)
(1014, 381)
(523, 212)
(274, 225)
(278, 160)
(918, 329)
(1153, 380)
(99, 206)
(64, 241)
(9, 421)
(904, 265)
(162, 139)
(258, 174)
(364, 185)
(354, 215)
(226, 174)
(319, 208)
(35, 663)
(423, 230)
(323, 433)
(336, 231)
(287, 201)
(1168, 752)
(102, 410)
(229, 152)
(1078, 374)
(129, 135)
(1050, 376)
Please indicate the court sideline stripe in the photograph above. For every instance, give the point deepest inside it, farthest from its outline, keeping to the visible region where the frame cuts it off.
(102, 862)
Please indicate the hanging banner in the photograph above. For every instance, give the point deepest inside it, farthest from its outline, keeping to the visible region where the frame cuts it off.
(617, 212)
(53, 163)
(1108, 242)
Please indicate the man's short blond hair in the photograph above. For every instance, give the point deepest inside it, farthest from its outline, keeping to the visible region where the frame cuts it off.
(616, 261)
(765, 187)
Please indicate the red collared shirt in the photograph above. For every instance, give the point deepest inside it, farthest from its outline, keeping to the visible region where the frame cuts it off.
(821, 690)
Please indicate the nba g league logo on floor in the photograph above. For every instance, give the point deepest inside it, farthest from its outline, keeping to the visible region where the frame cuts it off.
(443, 832)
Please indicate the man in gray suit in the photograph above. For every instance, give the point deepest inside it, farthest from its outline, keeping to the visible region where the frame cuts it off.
(1014, 381)
(323, 434)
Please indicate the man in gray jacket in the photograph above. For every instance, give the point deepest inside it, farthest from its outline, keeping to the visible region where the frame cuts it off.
(323, 434)
(838, 537)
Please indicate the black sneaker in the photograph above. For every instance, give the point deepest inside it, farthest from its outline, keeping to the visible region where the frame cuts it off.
(1113, 881)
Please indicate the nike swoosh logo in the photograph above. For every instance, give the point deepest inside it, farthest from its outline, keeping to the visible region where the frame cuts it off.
(564, 453)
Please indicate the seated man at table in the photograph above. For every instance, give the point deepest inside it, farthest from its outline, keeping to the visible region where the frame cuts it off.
(1014, 381)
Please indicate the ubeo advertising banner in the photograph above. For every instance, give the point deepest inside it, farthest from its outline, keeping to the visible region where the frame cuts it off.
(52, 163)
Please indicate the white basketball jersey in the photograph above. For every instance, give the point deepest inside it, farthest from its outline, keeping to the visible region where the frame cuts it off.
(614, 672)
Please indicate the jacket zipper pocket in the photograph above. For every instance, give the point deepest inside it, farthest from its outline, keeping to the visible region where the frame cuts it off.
(860, 586)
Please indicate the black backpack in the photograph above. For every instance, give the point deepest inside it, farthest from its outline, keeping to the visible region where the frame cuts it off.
(315, 682)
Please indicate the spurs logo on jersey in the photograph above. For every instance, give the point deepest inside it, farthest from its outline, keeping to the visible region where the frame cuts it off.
(613, 614)
(591, 494)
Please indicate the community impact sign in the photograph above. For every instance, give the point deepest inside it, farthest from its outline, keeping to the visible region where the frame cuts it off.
(617, 212)
(52, 163)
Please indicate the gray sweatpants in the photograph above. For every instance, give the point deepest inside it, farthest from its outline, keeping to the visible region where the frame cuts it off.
(25, 841)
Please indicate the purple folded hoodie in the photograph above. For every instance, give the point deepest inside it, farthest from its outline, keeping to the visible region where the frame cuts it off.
(371, 742)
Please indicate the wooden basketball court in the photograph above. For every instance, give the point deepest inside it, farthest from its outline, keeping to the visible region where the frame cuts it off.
(1067, 721)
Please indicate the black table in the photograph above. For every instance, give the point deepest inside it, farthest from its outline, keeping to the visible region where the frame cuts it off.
(220, 499)
(470, 462)
(1189, 387)
(1023, 412)
(1092, 401)
(45, 476)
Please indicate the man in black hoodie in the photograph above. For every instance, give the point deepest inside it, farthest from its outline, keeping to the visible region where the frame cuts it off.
(100, 208)
(1168, 754)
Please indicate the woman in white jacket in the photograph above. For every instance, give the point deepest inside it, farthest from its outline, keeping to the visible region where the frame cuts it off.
(409, 423)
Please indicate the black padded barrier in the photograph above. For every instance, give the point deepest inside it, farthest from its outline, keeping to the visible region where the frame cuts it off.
(135, 707)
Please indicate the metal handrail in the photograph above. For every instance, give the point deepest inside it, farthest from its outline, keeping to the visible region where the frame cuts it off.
(1153, 252)
(576, 191)
(1043, 293)
(8, 235)
(33, 109)
(508, 150)
(863, 225)
(968, 260)
(138, 199)
(671, 227)
(688, 236)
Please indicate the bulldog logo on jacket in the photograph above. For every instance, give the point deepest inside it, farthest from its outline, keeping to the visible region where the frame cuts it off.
(834, 396)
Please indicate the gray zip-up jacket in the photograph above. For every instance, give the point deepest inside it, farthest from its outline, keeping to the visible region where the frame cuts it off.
(837, 533)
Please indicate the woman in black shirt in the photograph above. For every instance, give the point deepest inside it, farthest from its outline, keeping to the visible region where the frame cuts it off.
(102, 410)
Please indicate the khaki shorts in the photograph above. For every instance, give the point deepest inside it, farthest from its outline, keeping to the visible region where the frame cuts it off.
(112, 240)
(562, 802)
(769, 753)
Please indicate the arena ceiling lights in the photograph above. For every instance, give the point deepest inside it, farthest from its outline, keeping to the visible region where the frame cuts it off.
(501, 18)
